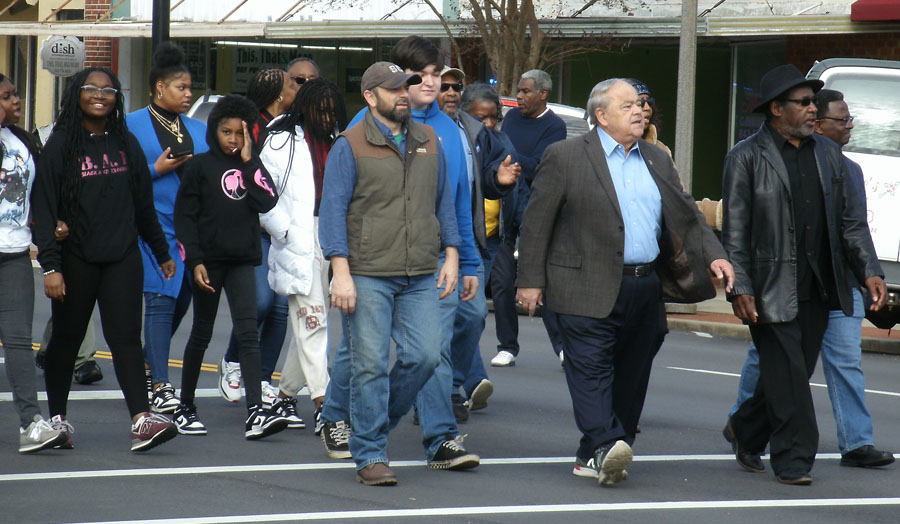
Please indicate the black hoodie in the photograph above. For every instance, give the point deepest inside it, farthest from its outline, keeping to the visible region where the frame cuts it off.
(218, 205)
(112, 210)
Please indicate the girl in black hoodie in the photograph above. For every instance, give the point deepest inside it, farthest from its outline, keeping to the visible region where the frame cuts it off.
(94, 177)
(217, 220)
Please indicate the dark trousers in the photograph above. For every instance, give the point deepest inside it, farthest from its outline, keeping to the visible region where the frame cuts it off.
(240, 290)
(781, 411)
(607, 360)
(503, 292)
(551, 324)
(117, 288)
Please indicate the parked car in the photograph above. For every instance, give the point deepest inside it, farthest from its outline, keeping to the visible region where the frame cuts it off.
(872, 90)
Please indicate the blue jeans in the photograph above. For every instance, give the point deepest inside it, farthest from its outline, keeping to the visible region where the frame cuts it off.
(271, 317)
(433, 402)
(468, 369)
(842, 365)
(162, 315)
(405, 310)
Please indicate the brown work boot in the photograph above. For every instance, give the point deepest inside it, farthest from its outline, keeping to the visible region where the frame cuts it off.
(376, 474)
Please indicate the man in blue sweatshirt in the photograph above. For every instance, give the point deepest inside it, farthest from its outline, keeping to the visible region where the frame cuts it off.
(440, 436)
(531, 127)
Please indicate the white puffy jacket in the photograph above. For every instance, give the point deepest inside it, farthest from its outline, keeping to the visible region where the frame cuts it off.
(290, 222)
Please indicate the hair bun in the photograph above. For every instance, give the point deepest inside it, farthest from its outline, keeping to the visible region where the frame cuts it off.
(168, 55)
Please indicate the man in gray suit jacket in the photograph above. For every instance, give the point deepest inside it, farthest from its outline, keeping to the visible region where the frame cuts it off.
(608, 234)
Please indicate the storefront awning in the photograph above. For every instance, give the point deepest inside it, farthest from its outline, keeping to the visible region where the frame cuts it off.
(874, 10)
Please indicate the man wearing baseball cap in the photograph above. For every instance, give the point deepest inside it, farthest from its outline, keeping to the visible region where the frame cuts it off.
(793, 228)
(386, 213)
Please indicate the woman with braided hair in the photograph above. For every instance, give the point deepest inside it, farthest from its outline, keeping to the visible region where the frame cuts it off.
(295, 153)
(272, 92)
(168, 139)
(93, 176)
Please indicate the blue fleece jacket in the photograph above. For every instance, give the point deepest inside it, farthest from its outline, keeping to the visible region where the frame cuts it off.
(165, 188)
(455, 157)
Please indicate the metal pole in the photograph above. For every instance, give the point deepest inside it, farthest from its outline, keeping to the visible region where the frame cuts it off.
(687, 83)
(160, 27)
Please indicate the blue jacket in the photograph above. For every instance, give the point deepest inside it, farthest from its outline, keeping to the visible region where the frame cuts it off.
(165, 188)
(458, 175)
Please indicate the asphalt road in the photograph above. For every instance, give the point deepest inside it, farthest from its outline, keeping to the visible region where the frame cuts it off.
(683, 470)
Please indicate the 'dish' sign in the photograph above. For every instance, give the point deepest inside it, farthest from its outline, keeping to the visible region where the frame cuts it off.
(62, 55)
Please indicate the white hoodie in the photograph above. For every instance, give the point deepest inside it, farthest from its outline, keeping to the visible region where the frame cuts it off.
(291, 222)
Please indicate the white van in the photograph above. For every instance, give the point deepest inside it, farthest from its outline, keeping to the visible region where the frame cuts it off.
(871, 89)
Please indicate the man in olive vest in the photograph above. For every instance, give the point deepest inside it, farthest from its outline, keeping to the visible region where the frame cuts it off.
(386, 213)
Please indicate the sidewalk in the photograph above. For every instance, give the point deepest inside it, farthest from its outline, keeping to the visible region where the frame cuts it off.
(715, 317)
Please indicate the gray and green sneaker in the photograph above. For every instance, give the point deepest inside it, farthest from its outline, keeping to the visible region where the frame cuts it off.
(586, 467)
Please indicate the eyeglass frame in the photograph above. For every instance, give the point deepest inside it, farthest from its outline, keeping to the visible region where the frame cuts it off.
(803, 102)
(847, 121)
(103, 92)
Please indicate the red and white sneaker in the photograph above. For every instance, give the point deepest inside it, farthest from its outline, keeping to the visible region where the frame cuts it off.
(151, 430)
(230, 380)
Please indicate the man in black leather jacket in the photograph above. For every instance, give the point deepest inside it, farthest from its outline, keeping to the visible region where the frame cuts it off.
(792, 229)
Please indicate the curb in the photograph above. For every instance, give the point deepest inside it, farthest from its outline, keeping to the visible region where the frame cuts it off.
(869, 344)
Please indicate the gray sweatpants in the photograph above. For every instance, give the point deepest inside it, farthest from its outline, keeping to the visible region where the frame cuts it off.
(16, 314)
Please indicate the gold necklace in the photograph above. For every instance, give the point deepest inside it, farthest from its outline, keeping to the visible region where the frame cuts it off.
(173, 127)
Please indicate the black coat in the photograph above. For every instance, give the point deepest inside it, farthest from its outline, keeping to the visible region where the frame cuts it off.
(758, 230)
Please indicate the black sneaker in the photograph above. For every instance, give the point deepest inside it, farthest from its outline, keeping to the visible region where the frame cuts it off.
(460, 409)
(187, 421)
(88, 373)
(148, 376)
(164, 400)
(263, 422)
(452, 455)
(318, 419)
(287, 408)
(336, 437)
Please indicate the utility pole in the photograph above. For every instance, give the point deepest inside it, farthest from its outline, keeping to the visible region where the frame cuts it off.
(687, 84)
(684, 111)
(160, 27)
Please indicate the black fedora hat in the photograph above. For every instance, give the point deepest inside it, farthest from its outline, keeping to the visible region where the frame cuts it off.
(780, 80)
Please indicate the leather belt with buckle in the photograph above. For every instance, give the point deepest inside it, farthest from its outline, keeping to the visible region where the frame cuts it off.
(640, 270)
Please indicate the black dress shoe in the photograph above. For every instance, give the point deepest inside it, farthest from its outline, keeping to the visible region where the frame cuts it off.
(88, 373)
(794, 478)
(728, 432)
(866, 457)
(747, 460)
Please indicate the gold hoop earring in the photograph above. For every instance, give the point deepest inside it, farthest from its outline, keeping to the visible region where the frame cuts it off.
(159, 95)
(280, 98)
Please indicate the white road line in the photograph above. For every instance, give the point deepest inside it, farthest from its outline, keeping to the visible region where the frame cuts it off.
(511, 510)
(702, 334)
(116, 394)
(270, 468)
(724, 374)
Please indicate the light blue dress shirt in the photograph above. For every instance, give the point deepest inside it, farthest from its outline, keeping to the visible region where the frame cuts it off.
(639, 200)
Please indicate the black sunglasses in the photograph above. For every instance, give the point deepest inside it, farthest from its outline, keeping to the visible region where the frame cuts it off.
(299, 80)
(458, 87)
(802, 101)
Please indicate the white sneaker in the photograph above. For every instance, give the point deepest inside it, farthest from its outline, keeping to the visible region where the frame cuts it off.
(269, 394)
(164, 399)
(480, 394)
(562, 359)
(230, 380)
(40, 435)
(503, 359)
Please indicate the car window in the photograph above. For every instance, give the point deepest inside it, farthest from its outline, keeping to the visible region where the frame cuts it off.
(874, 101)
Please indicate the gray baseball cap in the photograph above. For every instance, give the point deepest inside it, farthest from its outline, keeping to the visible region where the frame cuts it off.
(387, 75)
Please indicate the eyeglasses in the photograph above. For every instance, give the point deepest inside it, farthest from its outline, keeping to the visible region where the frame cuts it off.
(847, 121)
(458, 87)
(106, 92)
(649, 100)
(802, 101)
(641, 102)
(299, 80)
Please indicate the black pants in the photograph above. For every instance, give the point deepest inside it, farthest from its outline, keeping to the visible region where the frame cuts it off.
(503, 293)
(240, 290)
(117, 288)
(551, 324)
(607, 361)
(781, 411)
